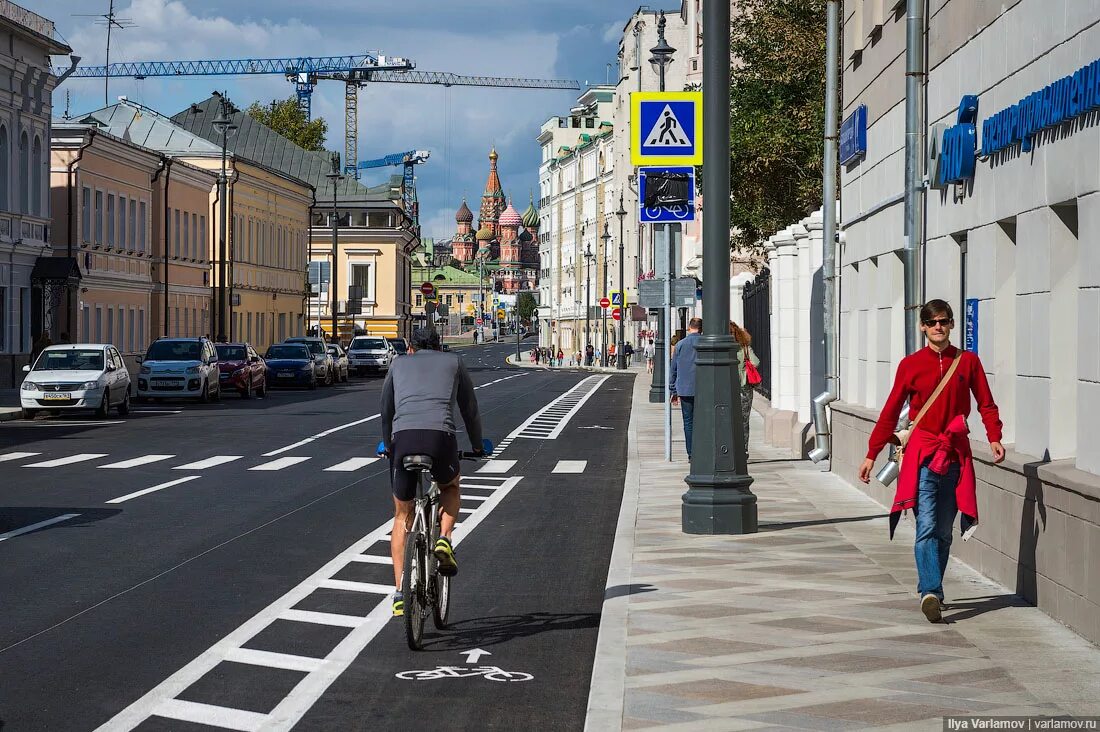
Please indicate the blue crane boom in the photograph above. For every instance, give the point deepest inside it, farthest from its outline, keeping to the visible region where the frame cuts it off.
(409, 159)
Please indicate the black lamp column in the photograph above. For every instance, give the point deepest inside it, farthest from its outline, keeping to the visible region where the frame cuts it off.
(606, 239)
(223, 123)
(718, 500)
(620, 356)
(335, 176)
(659, 60)
(588, 257)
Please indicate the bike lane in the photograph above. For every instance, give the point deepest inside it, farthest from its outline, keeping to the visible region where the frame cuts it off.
(525, 606)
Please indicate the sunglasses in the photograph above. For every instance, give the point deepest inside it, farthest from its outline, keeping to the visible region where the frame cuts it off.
(945, 322)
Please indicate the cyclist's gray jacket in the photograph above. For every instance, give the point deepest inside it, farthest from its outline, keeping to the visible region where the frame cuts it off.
(421, 391)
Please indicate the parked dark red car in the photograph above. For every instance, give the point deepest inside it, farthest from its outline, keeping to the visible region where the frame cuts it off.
(241, 369)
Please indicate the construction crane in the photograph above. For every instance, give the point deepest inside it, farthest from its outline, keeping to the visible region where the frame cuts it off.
(409, 160)
(305, 71)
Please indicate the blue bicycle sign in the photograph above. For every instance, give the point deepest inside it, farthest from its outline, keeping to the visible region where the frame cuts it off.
(666, 214)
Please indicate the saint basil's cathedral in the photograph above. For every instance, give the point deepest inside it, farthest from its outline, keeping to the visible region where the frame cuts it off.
(506, 242)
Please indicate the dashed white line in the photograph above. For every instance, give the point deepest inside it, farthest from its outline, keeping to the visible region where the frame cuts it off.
(570, 466)
(280, 463)
(162, 486)
(319, 435)
(134, 462)
(17, 456)
(351, 465)
(209, 462)
(27, 529)
(496, 466)
(79, 458)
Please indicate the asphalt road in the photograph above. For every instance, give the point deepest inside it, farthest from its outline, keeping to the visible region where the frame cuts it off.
(224, 566)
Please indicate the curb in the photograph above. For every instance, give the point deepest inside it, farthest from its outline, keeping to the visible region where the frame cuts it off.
(10, 414)
(608, 686)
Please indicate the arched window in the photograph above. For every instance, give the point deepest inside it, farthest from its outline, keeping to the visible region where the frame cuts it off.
(5, 169)
(36, 177)
(24, 169)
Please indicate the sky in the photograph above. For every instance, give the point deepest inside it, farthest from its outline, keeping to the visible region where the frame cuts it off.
(555, 39)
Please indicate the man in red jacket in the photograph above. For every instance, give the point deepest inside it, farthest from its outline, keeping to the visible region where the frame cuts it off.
(937, 474)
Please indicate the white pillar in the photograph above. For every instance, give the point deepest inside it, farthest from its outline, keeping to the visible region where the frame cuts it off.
(785, 359)
(803, 284)
(737, 296)
(773, 310)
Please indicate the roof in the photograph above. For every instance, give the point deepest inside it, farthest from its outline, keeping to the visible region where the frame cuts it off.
(259, 143)
(464, 215)
(451, 275)
(146, 127)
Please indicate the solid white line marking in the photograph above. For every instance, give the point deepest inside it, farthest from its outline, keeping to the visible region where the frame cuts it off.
(209, 462)
(570, 466)
(280, 463)
(162, 486)
(474, 498)
(17, 456)
(466, 510)
(82, 457)
(351, 465)
(334, 619)
(372, 559)
(270, 659)
(133, 463)
(215, 716)
(335, 584)
(156, 411)
(497, 466)
(319, 435)
(26, 529)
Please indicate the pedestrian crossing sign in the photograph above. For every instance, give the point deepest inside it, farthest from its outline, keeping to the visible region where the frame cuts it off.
(666, 128)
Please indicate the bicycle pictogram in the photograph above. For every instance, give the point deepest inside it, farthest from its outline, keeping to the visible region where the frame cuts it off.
(491, 673)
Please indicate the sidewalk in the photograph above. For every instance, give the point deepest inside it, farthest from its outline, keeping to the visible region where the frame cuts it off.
(9, 405)
(810, 624)
(526, 362)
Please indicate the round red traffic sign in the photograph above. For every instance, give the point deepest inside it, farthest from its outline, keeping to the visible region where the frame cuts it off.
(427, 288)
(604, 302)
(617, 313)
(478, 321)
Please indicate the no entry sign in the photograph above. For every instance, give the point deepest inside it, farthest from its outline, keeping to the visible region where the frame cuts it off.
(427, 288)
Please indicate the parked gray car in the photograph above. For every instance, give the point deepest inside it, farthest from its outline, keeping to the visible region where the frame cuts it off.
(321, 357)
(339, 362)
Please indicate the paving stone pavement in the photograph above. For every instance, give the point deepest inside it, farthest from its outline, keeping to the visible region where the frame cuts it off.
(812, 623)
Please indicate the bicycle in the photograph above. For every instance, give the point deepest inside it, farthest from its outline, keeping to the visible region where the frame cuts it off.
(421, 583)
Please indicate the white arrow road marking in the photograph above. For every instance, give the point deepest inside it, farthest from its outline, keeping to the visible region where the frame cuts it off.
(472, 656)
(57, 519)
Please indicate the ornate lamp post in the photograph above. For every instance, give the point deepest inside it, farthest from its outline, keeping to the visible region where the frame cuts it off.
(659, 60)
(588, 257)
(335, 176)
(606, 239)
(223, 123)
(620, 356)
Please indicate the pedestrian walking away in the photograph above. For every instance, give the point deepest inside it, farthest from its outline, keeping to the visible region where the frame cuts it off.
(936, 477)
(682, 378)
(647, 352)
(745, 354)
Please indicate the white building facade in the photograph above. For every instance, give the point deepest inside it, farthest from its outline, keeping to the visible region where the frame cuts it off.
(1013, 245)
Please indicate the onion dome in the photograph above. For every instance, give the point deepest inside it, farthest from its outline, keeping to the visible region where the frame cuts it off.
(525, 235)
(493, 154)
(531, 216)
(510, 217)
(464, 215)
(485, 233)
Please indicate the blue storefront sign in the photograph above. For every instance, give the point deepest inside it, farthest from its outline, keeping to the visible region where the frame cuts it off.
(960, 143)
(971, 343)
(853, 135)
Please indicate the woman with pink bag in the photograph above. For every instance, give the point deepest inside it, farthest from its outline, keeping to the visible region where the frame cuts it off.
(747, 363)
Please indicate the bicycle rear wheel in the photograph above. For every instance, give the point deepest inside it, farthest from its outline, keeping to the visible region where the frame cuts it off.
(415, 590)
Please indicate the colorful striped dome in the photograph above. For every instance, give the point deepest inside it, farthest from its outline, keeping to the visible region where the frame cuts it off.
(510, 217)
(485, 233)
(531, 216)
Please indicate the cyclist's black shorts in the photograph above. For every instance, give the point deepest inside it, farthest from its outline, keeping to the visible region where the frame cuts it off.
(441, 446)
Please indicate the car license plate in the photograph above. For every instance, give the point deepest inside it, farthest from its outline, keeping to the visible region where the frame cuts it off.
(286, 374)
(223, 376)
(56, 396)
(162, 383)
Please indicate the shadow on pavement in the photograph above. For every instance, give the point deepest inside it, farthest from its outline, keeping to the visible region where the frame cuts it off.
(971, 607)
(496, 629)
(622, 590)
(13, 518)
(819, 522)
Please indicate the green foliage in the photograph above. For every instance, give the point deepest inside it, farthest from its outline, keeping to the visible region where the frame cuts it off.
(777, 100)
(526, 305)
(287, 119)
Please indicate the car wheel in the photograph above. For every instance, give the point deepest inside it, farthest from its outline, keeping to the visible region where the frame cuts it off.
(124, 405)
(246, 392)
(29, 414)
(262, 390)
(204, 397)
(104, 409)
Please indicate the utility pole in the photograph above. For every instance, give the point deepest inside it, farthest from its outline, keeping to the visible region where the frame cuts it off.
(718, 499)
(606, 239)
(588, 257)
(620, 356)
(335, 176)
(658, 390)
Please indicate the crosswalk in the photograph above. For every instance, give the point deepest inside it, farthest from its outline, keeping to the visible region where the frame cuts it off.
(88, 459)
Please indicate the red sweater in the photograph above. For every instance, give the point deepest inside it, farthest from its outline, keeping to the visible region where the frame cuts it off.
(916, 379)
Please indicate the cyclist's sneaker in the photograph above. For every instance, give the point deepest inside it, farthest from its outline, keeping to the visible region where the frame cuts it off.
(445, 555)
(398, 604)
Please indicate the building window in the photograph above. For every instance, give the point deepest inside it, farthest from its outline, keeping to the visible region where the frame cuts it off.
(4, 165)
(121, 327)
(110, 324)
(110, 220)
(186, 236)
(85, 213)
(141, 329)
(85, 325)
(141, 227)
(196, 253)
(122, 222)
(132, 340)
(202, 239)
(133, 224)
(36, 177)
(450, 300)
(461, 298)
(98, 324)
(419, 300)
(176, 231)
(98, 218)
(24, 164)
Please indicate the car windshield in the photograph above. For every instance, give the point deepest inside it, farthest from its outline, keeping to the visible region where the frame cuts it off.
(70, 360)
(399, 345)
(369, 344)
(174, 351)
(290, 352)
(231, 353)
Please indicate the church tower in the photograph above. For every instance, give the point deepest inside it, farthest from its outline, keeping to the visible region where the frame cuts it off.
(492, 200)
(463, 242)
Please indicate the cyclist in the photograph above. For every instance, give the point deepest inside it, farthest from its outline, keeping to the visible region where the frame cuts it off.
(418, 400)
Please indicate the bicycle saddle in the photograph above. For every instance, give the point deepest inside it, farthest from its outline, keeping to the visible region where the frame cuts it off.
(417, 462)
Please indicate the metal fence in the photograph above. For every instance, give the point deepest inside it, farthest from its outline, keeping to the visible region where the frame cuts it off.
(758, 322)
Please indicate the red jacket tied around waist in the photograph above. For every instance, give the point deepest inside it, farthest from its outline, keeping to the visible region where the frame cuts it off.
(941, 433)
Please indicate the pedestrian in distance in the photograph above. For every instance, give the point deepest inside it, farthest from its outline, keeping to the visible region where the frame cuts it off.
(589, 354)
(647, 352)
(936, 477)
(745, 354)
(681, 378)
(561, 357)
(597, 358)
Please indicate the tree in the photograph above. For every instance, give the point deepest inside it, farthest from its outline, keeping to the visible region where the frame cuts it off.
(285, 117)
(777, 116)
(526, 305)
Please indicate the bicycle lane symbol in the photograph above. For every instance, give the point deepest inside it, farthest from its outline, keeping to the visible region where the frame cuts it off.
(490, 673)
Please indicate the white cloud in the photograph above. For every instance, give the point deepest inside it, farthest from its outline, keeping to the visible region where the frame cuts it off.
(613, 33)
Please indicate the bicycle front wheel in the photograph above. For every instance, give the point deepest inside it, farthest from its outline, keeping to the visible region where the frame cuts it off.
(414, 588)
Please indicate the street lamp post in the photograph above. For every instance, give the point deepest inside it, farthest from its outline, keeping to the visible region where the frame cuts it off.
(718, 499)
(588, 257)
(620, 356)
(223, 123)
(659, 61)
(606, 238)
(335, 176)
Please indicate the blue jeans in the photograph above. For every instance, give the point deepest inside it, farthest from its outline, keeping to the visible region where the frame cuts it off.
(936, 509)
(687, 410)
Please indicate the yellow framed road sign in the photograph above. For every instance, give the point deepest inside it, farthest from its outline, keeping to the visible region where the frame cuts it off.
(666, 128)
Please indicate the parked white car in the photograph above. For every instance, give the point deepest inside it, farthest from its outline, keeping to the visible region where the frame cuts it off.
(76, 376)
(370, 353)
(180, 367)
